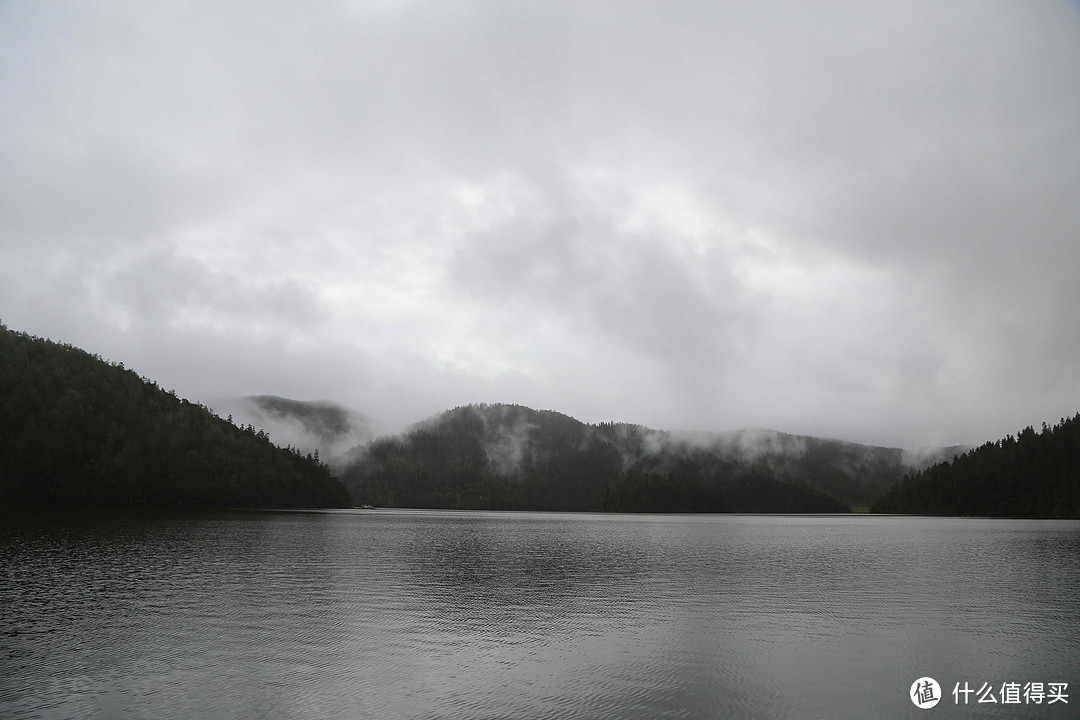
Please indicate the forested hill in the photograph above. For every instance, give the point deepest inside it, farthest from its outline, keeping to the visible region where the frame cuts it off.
(76, 430)
(1032, 474)
(513, 457)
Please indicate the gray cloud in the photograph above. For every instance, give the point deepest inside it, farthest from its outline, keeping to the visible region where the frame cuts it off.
(846, 219)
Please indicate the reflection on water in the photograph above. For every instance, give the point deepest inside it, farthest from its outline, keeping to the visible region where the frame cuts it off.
(352, 614)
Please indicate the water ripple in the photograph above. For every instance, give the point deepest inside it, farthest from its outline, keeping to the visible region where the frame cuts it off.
(494, 615)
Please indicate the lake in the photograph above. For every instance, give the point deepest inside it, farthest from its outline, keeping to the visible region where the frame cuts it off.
(432, 614)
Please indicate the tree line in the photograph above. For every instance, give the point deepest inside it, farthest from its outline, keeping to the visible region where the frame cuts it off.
(1030, 474)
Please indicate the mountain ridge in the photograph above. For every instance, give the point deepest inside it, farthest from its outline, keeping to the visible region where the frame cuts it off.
(512, 455)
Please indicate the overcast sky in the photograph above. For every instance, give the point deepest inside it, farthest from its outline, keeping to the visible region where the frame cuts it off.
(855, 220)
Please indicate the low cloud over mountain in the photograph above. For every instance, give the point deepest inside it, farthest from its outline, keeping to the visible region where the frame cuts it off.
(323, 426)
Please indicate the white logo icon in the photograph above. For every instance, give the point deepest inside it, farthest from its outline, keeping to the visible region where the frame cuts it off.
(925, 693)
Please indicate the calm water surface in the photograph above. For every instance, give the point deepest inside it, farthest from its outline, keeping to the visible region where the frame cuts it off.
(413, 614)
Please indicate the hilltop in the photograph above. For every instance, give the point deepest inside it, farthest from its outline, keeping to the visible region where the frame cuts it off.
(514, 457)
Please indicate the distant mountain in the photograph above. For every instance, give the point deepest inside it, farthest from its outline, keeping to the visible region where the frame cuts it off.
(319, 426)
(509, 456)
(854, 473)
(486, 457)
(1032, 474)
(76, 430)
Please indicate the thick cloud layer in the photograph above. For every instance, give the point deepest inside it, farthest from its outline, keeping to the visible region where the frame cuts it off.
(856, 220)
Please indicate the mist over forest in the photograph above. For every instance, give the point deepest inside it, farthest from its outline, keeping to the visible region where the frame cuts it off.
(513, 457)
(78, 430)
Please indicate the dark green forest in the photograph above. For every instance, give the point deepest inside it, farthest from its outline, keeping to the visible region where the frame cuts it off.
(77, 430)
(1031, 474)
(515, 458)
